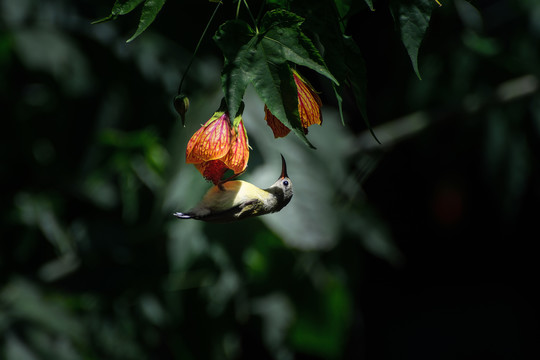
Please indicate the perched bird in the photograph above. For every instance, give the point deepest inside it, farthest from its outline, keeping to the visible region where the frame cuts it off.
(238, 199)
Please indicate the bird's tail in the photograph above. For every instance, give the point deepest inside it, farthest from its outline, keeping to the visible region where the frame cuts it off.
(182, 215)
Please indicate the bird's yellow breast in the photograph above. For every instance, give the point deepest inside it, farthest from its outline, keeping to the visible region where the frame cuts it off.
(231, 194)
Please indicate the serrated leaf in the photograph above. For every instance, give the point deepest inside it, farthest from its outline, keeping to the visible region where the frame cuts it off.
(149, 12)
(246, 62)
(283, 40)
(262, 59)
(412, 19)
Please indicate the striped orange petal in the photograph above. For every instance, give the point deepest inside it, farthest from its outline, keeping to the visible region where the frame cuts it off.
(212, 170)
(190, 159)
(277, 126)
(238, 156)
(309, 103)
(212, 141)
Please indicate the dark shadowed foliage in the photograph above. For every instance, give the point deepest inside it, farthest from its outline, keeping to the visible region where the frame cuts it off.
(420, 247)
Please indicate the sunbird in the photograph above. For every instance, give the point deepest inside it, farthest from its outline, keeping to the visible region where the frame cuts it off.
(237, 199)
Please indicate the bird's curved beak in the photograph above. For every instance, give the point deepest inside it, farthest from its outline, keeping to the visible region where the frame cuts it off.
(283, 168)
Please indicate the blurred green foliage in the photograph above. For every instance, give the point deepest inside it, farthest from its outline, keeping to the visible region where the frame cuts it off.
(93, 265)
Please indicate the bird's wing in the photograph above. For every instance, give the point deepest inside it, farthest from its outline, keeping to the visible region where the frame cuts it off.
(249, 208)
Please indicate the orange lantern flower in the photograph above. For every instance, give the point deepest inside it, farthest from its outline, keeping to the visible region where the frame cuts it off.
(238, 155)
(218, 146)
(309, 108)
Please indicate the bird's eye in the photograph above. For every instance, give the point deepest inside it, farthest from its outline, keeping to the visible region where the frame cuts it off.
(286, 183)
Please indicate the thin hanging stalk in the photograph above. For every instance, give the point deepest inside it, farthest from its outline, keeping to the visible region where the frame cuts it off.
(197, 47)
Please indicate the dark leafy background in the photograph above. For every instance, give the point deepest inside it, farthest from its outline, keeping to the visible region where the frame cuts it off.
(421, 247)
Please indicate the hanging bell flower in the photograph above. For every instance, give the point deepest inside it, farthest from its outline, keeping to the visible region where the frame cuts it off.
(309, 108)
(238, 155)
(219, 146)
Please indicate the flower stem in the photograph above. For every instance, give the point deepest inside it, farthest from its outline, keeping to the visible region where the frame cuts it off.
(251, 15)
(238, 9)
(197, 47)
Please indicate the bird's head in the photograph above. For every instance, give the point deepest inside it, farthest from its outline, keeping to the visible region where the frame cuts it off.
(282, 188)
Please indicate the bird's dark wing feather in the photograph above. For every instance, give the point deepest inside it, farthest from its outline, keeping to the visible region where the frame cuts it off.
(235, 213)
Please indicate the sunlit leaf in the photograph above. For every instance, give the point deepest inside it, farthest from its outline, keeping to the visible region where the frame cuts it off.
(284, 41)
(273, 82)
(262, 58)
(282, 100)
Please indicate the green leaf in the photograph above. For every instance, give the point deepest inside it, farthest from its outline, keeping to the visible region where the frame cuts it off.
(342, 55)
(370, 4)
(345, 9)
(149, 12)
(284, 41)
(282, 101)
(123, 7)
(238, 116)
(412, 19)
(246, 62)
(356, 73)
(234, 38)
(263, 58)
(352, 71)
(339, 98)
(276, 87)
(357, 78)
(120, 7)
